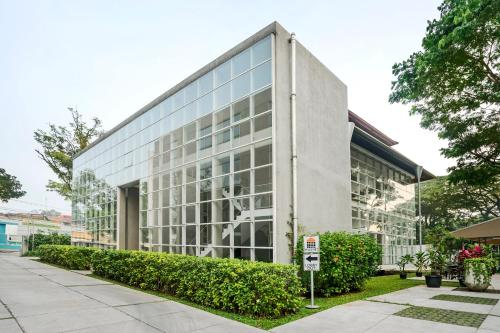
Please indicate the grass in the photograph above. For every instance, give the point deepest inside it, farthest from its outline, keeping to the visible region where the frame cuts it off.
(443, 316)
(466, 299)
(375, 286)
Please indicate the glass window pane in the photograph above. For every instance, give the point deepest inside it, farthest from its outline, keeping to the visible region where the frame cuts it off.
(242, 159)
(206, 190)
(241, 133)
(177, 138)
(205, 104)
(190, 173)
(176, 215)
(176, 196)
(261, 51)
(165, 198)
(264, 234)
(222, 118)
(265, 255)
(192, 92)
(205, 84)
(205, 235)
(190, 152)
(222, 234)
(263, 154)
(189, 132)
(191, 193)
(221, 210)
(206, 169)
(222, 164)
(205, 125)
(241, 110)
(261, 76)
(222, 189)
(241, 62)
(165, 217)
(263, 126)
(242, 183)
(242, 209)
(263, 201)
(262, 102)
(222, 96)
(241, 86)
(190, 214)
(222, 73)
(165, 235)
(242, 234)
(191, 235)
(205, 212)
(176, 235)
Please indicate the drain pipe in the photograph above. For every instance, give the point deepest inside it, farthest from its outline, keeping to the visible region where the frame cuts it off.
(294, 145)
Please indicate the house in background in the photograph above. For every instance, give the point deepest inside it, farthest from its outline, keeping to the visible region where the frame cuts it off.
(235, 158)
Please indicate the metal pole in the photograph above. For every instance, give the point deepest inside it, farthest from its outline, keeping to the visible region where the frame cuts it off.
(294, 144)
(419, 174)
(312, 306)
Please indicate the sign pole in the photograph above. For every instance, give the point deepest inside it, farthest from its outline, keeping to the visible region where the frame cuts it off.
(311, 262)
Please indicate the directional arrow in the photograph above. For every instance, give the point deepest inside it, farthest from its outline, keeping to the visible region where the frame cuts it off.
(311, 258)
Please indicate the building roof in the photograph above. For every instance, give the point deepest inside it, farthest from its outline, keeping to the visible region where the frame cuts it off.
(368, 137)
(266, 31)
(487, 231)
(370, 129)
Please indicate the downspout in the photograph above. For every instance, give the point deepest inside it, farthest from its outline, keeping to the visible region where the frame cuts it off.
(294, 145)
(419, 174)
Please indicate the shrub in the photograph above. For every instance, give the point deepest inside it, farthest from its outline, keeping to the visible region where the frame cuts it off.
(255, 288)
(72, 257)
(36, 240)
(346, 262)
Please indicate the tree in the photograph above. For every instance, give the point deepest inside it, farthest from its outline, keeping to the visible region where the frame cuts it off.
(60, 144)
(10, 187)
(453, 206)
(454, 85)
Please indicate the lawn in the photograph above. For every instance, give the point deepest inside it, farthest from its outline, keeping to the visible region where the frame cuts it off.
(375, 286)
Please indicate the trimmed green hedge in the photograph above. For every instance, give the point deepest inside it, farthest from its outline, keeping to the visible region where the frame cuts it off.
(37, 240)
(346, 262)
(72, 257)
(254, 288)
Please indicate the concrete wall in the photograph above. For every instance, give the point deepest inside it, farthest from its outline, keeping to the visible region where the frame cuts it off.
(128, 218)
(323, 138)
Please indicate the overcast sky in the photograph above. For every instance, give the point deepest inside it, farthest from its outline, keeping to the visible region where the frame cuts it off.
(110, 58)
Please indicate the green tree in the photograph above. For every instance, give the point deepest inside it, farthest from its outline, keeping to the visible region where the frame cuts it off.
(60, 144)
(452, 206)
(10, 187)
(454, 85)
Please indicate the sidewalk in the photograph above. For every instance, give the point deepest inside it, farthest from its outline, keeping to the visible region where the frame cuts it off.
(35, 297)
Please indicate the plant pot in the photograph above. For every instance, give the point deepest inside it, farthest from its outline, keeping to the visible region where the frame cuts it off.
(419, 274)
(433, 281)
(403, 275)
(476, 283)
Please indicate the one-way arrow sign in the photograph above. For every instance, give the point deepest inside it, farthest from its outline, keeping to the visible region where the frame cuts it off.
(311, 258)
(311, 261)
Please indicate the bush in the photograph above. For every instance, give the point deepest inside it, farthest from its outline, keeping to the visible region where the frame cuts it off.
(36, 240)
(72, 257)
(346, 262)
(255, 288)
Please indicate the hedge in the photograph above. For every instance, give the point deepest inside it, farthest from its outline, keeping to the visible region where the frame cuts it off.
(346, 262)
(72, 257)
(36, 240)
(254, 288)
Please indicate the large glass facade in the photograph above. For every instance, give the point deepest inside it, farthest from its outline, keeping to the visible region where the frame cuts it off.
(383, 204)
(203, 159)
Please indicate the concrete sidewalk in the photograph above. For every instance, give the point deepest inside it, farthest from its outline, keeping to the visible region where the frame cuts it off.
(36, 297)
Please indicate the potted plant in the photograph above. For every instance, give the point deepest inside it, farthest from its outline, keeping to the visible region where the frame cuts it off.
(403, 261)
(437, 262)
(420, 262)
(468, 252)
(478, 272)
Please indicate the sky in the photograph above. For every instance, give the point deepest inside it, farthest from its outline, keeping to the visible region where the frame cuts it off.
(110, 58)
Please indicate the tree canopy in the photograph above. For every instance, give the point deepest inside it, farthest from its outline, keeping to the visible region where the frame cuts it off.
(60, 144)
(454, 85)
(10, 187)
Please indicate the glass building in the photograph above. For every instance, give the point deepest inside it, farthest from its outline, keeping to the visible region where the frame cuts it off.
(205, 168)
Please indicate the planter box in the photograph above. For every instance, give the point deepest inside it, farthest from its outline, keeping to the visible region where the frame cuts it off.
(433, 281)
(472, 284)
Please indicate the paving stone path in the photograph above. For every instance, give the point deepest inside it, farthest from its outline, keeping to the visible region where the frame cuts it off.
(37, 298)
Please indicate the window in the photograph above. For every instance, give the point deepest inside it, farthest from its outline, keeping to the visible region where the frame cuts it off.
(241, 62)
(242, 159)
(241, 133)
(206, 190)
(261, 51)
(242, 234)
(242, 183)
(206, 169)
(205, 212)
(263, 154)
(262, 126)
(222, 118)
(241, 86)
(262, 102)
(222, 73)
(222, 164)
(190, 132)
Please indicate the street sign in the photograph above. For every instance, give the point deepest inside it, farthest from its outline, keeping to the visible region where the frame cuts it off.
(311, 244)
(311, 262)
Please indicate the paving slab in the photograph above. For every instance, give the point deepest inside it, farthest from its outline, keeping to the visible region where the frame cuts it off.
(40, 301)
(69, 279)
(9, 326)
(457, 306)
(491, 323)
(122, 327)
(4, 313)
(115, 295)
(72, 320)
